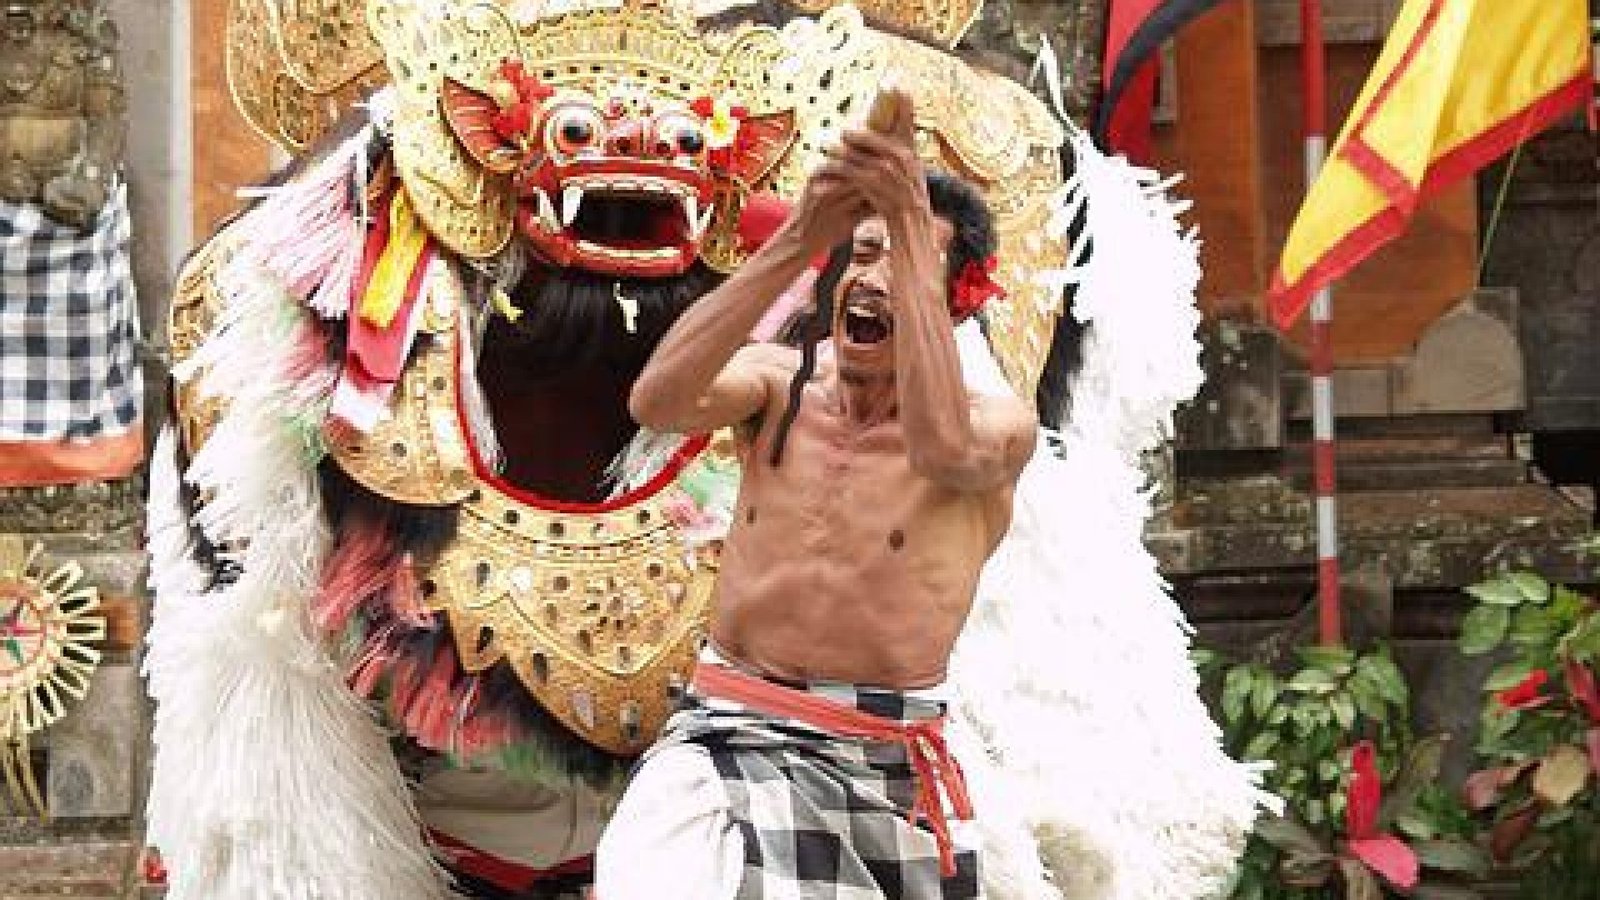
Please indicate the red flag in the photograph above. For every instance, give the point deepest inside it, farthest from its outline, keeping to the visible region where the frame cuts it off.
(1135, 31)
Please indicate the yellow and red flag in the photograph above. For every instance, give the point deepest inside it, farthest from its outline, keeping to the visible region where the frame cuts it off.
(1459, 82)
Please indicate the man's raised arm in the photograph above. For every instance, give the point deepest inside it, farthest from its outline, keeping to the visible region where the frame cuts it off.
(698, 379)
(950, 438)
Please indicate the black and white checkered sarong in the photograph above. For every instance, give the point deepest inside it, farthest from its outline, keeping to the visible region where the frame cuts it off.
(68, 326)
(824, 817)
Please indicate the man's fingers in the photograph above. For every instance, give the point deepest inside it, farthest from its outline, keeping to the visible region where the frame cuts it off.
(830, 171)
(864, 140)
(902, 131)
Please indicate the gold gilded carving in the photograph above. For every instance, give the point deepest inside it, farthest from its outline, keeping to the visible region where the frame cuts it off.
(324, 43)
(1022, 324)
(61, 107)
(826, 70)
(416, 454)
(594, 50)
(196, 303)
(944, 21)
(295, 66)
(464, 205)
(599, 614)
(991, 123)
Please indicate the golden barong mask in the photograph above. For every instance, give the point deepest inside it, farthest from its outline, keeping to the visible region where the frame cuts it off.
(628, 184)
(609, 138)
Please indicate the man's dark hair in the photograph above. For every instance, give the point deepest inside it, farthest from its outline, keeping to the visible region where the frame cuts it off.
(972, 240)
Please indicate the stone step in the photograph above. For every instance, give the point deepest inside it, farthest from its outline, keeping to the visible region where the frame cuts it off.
(1402, 446)
(1410, 474)
(1464, 426)
(99, 869)
(1428, 538)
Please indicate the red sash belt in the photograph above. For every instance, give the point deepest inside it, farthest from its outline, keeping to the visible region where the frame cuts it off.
(923, 740)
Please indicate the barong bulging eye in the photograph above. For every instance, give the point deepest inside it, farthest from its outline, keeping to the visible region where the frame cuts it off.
(573, 131)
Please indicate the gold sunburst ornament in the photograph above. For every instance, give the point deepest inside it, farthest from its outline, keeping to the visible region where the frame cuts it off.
(49, 636)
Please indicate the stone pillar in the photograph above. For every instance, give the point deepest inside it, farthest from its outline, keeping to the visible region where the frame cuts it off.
(93, 761)
(155, 60)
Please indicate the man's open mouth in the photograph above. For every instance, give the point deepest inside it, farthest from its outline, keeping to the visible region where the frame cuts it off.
(629, 217)
(867, 323)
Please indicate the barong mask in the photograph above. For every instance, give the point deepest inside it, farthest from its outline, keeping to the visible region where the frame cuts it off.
(627, 185)
(614, 144)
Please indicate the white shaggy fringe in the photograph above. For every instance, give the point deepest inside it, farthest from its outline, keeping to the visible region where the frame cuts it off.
(271, 780)
(1074, 669)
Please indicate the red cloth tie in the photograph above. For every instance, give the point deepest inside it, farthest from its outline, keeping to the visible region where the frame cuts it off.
(923, 740)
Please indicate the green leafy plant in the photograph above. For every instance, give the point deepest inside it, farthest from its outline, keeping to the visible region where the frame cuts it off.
(1362, 812)
(1540, 732)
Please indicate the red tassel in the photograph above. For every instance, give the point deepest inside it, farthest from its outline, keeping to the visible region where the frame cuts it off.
(429, 716)
(371, 664)
(405, 678)
(484, 732)
(363, 563)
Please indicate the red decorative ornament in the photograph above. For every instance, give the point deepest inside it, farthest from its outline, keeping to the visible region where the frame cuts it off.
(1364, 796)
(515, 118)
(974, 288)
(152, 870)
(727, 134)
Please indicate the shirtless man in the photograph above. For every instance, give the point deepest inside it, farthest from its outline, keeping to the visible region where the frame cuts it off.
(810, 742)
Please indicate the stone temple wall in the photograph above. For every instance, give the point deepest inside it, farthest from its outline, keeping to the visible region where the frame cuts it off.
(91, 765)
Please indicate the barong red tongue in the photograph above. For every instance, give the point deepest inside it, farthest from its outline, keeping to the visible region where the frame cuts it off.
(924, 743)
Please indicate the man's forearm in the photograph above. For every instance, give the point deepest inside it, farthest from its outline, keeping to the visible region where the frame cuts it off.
(933, 397)
(713, 328)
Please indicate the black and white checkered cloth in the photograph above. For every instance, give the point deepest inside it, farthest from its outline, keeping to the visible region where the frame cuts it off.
(824, 817)
(69, 326)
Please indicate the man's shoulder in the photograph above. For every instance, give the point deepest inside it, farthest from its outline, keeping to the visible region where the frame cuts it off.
(1005, 409)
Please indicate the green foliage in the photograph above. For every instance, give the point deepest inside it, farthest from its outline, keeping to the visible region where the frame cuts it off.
(1537, 800)
(1303, 723)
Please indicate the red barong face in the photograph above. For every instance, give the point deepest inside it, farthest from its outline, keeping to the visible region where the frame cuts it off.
(627, 185)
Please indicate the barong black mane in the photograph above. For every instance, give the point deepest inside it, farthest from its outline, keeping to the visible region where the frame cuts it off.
(573, 318)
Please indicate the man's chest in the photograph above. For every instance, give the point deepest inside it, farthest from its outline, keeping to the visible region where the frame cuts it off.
(853, 488)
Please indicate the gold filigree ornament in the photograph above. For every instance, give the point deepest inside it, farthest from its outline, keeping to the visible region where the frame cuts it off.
(295, 66)
(942, 21)
(600, 614)
(599, 611)
(49, 630)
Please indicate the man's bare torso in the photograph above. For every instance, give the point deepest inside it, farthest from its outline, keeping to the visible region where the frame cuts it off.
(843, 564)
